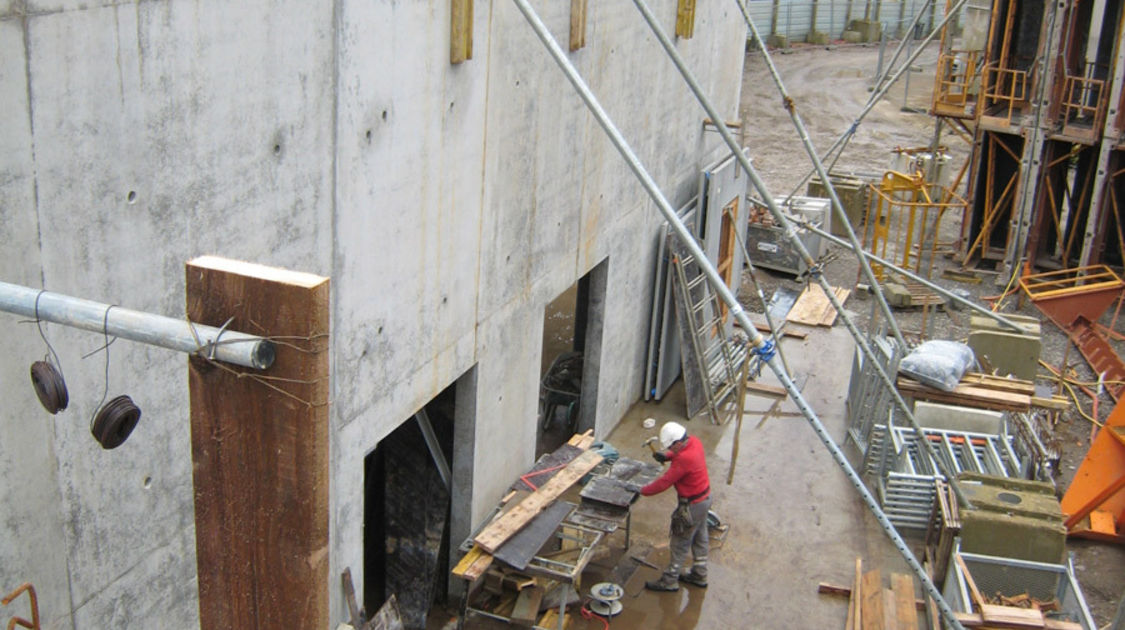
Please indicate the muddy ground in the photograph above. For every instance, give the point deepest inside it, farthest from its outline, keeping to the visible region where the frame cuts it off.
(830, 86)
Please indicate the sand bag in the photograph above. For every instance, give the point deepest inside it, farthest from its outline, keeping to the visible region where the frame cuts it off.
(938, 363)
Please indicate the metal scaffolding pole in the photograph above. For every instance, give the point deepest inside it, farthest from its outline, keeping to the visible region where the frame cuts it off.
(791, 234)
(837, 206)
(971, 305)
(155, 330)
(760, 346)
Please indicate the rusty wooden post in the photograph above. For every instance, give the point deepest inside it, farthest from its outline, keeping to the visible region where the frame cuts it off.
(260, 451)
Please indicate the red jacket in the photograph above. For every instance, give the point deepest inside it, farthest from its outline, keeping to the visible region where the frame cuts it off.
(688, 472)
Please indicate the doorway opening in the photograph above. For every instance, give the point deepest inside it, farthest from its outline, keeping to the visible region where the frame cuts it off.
(407, 499)
(572, 332)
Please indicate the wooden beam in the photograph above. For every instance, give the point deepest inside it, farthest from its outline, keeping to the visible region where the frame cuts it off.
(260, 451)
(577, 24)
(685, 18)
(460, 31)
(871, 604)
(498, 531)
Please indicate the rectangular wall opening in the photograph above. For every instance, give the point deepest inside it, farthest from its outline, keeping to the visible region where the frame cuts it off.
(572, 332)
(406, 528)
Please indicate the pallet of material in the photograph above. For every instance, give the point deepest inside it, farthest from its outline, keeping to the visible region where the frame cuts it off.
(814, 309)
(872, 607)
(998, 383)
(966, 396)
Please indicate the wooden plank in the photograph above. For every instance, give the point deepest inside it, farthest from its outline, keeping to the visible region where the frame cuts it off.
(685, 18)
(1011, 617)
(520, 548)
(460, 31)
(827, 588)
(260, 462)
(464, 567)
(810, 306)
(769, 390)
(494, 535)
(889, 622)
(1056, 402)
(988, 381)
(966, 395)
(582, 440)
(974, 594)
(871, 603)
(577, 24)
(764, 328)
(906, 607)
(974, 620)
(527, 606)
(854, 616)
(828, 318)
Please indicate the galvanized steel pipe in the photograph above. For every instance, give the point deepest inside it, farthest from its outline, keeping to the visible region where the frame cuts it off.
(155, 330)
(725, 294)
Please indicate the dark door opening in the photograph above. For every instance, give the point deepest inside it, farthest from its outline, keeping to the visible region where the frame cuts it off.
(560, 384)
(406, 514)
(572, 333)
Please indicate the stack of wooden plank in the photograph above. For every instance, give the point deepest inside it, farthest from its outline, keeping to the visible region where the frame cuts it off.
(982, 391)
(873, 607)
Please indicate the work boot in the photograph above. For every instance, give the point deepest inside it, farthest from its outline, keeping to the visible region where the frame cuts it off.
(667, 582)
(694, 579)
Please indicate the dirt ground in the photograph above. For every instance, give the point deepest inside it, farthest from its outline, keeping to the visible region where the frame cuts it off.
(830, 86)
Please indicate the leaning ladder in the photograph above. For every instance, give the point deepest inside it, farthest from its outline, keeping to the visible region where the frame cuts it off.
(717, 358)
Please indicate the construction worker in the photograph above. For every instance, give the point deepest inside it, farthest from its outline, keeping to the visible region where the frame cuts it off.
(688, 473)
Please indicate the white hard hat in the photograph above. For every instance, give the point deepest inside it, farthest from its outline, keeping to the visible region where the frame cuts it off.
(671, 432)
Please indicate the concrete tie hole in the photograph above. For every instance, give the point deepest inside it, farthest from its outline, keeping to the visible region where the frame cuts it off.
(148, 482)
(1008, 497)
(131, 198)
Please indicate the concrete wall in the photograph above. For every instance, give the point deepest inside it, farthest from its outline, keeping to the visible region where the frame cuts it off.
(449, 204)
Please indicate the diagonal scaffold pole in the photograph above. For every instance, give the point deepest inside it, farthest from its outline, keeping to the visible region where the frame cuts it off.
(937, 288)
(761, 347)
(879, 94)
(799, 246)
(837, 207)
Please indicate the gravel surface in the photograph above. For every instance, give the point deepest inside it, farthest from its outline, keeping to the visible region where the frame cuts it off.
(830, 86)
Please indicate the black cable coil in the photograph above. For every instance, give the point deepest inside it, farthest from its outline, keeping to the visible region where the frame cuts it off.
(49, 386)
(115, 421)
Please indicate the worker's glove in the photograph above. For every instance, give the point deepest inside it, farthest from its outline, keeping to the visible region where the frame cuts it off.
(659, 457)
(632, 486)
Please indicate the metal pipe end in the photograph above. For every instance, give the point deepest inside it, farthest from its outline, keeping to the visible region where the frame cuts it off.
(264, 354)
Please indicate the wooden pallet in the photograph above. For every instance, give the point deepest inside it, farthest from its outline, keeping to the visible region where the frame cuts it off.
(966, 396)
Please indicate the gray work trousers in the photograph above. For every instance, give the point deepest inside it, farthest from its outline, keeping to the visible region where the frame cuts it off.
(694, 539)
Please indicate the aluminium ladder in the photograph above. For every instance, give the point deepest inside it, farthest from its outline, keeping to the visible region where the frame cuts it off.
(712, 361)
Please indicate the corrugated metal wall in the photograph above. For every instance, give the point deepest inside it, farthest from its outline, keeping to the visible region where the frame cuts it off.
(794, 17)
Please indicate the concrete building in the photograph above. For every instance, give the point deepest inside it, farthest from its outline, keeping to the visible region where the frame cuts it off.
(448, 203)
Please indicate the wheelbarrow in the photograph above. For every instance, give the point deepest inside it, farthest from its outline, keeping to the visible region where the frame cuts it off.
(561, 387)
